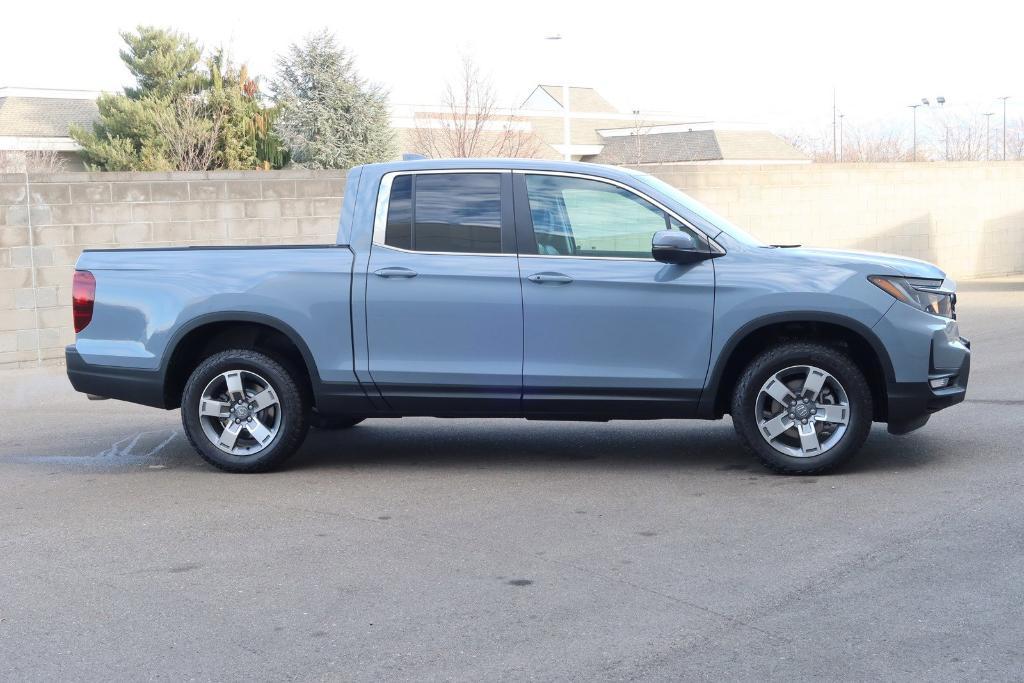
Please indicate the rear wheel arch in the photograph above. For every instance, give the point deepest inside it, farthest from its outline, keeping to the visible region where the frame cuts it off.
(855, 338)
(207, 335)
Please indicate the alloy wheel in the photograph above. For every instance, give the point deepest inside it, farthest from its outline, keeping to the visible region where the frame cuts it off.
(240, 412)
(802, 411)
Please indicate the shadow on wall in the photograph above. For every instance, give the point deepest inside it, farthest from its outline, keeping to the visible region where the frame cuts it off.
(915, 238)
(1000, 249)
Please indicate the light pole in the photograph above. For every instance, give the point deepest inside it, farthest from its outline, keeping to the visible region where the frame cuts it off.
(988, 145)
(941, 101)
(914, 108)
(834, 155)
(566, 126)
(841, 117)
(1004, 125)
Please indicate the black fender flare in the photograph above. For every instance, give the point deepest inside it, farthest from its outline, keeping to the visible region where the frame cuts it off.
(277, 324)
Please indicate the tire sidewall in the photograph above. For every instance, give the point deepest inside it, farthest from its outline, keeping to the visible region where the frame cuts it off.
(293, 411)
(829, 359)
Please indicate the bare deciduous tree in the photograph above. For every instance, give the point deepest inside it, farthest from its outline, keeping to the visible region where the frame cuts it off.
(191, 133)
(1014, 140)
(877, 144)
(471, 124)
(32, 161)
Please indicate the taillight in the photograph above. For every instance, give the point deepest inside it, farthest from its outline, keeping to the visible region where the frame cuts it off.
(83, 296)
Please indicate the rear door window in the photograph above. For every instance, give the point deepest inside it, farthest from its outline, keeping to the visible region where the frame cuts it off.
(445, 212)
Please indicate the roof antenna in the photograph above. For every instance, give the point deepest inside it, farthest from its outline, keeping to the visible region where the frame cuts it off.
(409, 156)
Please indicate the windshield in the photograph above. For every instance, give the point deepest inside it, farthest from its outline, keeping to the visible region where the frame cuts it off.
(696, 207)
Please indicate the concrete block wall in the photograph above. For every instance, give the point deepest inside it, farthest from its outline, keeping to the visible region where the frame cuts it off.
(967, 217)
(47, 220)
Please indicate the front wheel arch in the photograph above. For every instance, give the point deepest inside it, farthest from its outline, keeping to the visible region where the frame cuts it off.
(855, 339)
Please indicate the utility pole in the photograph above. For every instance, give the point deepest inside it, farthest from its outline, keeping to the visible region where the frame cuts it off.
(988, 145)
(1004, 125)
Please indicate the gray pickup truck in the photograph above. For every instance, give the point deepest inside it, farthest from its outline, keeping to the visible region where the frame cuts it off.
(511, 288)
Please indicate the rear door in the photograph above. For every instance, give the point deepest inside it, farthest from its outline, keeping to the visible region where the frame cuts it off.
(443, 299)
(607, 328)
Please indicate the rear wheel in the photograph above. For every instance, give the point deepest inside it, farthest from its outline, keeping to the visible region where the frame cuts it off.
(244, 411)
(802, 408)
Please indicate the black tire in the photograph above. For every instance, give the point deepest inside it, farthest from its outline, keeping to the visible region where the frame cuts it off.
(333, 422)
(293, 402)
(776, 359)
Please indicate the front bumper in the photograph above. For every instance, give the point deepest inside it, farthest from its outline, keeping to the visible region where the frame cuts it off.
(126, 384)
(911, 404)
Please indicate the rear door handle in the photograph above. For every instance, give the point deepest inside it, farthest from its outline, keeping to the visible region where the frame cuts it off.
(550, 278)
(395, 272)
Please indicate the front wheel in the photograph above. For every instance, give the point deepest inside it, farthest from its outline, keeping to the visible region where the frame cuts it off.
(244, 411)
(802, 408)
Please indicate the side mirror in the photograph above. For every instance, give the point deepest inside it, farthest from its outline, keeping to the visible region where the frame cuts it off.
(679, 247)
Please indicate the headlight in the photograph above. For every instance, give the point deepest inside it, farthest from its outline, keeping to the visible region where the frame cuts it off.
(920, 293)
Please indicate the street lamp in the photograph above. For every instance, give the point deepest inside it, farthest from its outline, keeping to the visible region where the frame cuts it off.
(1004, 125)
(566, 126)
(988, 145)
(914, 108)
(841, 117)
(940, 100)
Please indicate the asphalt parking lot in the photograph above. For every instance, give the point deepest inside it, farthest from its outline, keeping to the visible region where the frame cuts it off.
(504, 549)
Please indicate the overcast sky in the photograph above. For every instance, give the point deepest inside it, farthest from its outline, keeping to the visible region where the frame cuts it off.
(770, 62)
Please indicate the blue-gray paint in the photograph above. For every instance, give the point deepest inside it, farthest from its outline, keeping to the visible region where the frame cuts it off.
(477, 323)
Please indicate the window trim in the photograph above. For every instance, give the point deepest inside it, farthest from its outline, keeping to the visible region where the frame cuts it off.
(712, 244)
(380, 219)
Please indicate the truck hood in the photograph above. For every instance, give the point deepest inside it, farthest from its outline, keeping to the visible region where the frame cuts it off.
(897, 265)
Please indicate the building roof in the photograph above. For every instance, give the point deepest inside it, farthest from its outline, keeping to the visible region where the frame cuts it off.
(33, 116)
(696, 146)
(580, 99)
(756, 144)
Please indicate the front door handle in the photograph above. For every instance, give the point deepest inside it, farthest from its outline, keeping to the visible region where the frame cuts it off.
(550, 278)
(395, 272)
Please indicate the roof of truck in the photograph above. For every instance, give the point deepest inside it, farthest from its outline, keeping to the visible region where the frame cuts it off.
(501, 164)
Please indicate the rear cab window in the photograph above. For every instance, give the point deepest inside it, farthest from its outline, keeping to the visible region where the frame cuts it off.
(445, 212)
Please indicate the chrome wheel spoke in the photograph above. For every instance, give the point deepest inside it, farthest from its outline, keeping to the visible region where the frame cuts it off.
(834, 414)
(229, 436)
(809, 443)
(214, 408)
(777, 390)
(775, 426)
(814, 382)
(264, 399)
(259, 431)
(234, 382)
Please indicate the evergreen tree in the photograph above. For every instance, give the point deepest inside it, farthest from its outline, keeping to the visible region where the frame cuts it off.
(179, 116)
(327, 115)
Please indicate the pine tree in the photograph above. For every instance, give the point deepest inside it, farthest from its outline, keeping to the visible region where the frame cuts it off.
(328, 116)
(178, 115)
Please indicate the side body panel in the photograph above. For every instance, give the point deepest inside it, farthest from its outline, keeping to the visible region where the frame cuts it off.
(445, 329)
(148, 299)
(450, 338)
(761, 286)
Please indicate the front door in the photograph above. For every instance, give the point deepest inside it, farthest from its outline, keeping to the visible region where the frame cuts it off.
(607, 328)
(443, 300)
